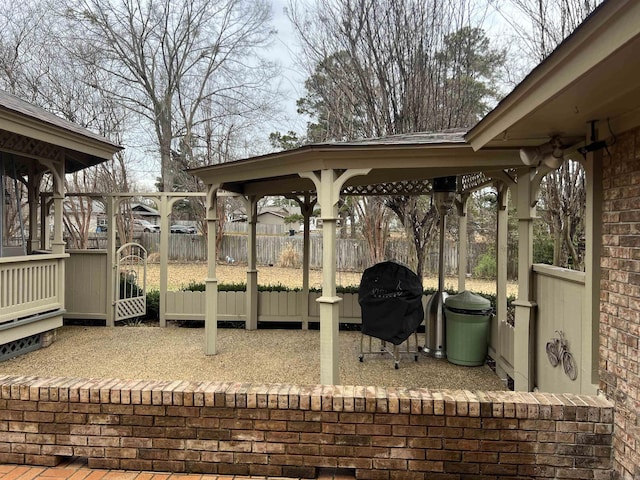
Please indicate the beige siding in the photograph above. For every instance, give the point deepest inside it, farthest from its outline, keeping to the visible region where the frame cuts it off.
(559, 294)
(86, 281)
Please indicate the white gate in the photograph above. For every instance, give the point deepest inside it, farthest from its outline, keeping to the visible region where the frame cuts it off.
(131, 286)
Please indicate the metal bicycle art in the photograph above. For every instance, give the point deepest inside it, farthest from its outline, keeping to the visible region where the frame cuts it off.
(558, 353)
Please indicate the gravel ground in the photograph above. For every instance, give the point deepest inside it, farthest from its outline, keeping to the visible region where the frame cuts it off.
(258, 356)
(181, 274)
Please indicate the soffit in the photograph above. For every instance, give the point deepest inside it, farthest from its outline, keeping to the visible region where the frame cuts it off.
(592, 75)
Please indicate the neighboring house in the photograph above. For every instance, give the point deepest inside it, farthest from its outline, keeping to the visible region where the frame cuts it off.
(274, 215)
(145, 212)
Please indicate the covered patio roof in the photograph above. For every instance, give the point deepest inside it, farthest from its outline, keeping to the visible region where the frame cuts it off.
(583, 93)
(591, 76)
(27, 131)
(397, 158)
(321, 173)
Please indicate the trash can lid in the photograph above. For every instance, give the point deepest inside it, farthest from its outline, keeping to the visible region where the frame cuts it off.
(468, 301)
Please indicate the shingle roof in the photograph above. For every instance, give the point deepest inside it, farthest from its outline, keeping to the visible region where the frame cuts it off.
(417, 138)
(12, 103)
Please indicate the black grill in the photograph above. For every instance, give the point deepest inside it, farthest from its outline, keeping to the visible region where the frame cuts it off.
(390, 298)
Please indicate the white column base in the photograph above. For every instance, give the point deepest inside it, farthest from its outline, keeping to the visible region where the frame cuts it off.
(329, 351)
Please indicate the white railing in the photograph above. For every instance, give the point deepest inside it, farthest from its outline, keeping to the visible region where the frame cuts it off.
(30, 285)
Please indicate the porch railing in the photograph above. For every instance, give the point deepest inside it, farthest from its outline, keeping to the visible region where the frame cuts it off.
(31, 285)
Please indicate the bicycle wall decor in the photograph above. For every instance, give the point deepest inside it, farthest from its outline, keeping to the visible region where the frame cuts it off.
(558, 352)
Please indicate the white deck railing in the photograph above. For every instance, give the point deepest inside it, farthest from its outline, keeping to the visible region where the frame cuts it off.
(30, 285)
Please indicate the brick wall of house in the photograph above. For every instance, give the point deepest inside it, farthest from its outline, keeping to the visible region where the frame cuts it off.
(285, 430)
(620, 298)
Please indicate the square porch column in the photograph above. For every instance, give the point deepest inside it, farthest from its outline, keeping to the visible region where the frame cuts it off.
(524, 341)
(328, 186)
(211, 290)
(251, 322)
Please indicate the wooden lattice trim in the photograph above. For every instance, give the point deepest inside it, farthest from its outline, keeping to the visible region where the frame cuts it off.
(28, 147)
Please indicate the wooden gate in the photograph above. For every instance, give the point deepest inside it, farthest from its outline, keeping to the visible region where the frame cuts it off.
(131, 296)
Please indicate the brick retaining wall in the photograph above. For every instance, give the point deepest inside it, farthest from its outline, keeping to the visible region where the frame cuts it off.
(620, 297)
(287, 430)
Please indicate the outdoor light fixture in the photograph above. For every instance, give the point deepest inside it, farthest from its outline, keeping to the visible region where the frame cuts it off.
(551, 154)
(592, 147)
(595, 145)
(444, 193)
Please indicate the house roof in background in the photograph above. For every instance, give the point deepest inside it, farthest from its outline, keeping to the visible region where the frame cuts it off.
(144, 210)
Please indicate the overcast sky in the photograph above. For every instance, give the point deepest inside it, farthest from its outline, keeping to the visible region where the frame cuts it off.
(283, 50)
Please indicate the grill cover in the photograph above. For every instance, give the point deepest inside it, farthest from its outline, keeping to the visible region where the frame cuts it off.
(390, 298)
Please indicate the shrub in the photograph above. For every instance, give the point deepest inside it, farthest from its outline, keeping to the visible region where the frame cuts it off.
(543, 251)
(242, 287)
(222, 287)
(153, 257)
(128, 285)
(486, 267)
(153, 305)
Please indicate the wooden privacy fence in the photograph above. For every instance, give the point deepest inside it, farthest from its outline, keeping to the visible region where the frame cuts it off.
(261, 228)
(352, 254)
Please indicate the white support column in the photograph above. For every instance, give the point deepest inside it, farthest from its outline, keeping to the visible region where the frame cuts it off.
(251, 204)
(306, 205)
(524, 347)
(306, 208)
(33, 186)
(44, 222)
(463, 241)
(211, 310)
(57, 171)
(113, 208)
(58, 245)
(589, 376)
(164, 208)
(329, 185)
(500, 321)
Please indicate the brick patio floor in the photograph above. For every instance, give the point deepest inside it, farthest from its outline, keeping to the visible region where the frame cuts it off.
(76, 469)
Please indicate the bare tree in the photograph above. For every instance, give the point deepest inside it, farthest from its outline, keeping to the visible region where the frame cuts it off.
(23, 55)
(374, 216)
(384, 67)
(563, 197)
(419, 218)
(36, 67)
(540, 25)
(170, 57)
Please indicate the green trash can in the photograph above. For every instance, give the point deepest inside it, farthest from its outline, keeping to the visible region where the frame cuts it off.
(467, 318)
